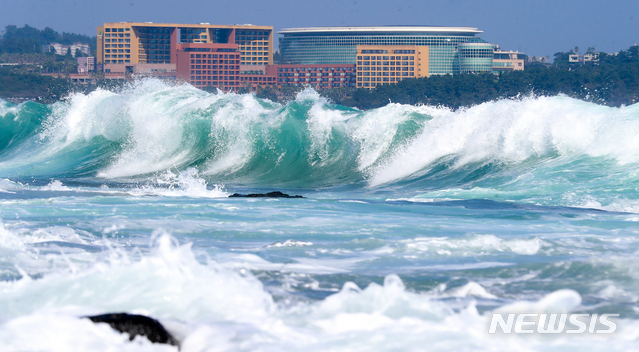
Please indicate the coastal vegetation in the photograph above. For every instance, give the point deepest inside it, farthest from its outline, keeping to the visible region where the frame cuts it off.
(19, 83)
(30, 40)
(15, 83)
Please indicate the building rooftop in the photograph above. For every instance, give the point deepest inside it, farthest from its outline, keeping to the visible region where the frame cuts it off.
(381, 29)
(500, 51)
(199, 25)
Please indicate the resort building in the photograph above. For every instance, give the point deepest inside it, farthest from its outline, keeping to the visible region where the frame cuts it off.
(320, 76)
(60, 49)
(385, 64)
(86, 64)
(338, 45)
(504, 61)
(258, 78)
(474, 58)
(125, 44)
(589, 57)
(209, 65)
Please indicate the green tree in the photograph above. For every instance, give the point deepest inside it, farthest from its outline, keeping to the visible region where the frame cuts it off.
(277, 58)
(246, 88)
(267, 93)
(561, 59)
(633, 53)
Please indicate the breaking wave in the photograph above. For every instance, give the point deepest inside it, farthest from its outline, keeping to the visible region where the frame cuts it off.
(549, 150)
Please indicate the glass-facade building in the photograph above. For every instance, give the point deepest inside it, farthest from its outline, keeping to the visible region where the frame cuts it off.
(475, 57)
(338, 45)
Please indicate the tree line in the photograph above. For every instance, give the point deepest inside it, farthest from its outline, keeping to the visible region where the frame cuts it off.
(16, 83)
(30, 40)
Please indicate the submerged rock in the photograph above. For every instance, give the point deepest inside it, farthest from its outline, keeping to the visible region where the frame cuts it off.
(276, 194)
(135, 325)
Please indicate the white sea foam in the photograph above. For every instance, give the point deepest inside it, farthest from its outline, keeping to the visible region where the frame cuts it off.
(215, 308)
(612, 292)
(19, 237)
(513, 131)
(44, 250)
(55, 185)
(61, 332)
(376, 129)
(8, 240)
(473, 245)
(173, 284)
(232, 128)
(185, 183)
(5, 108)
(248, 261)
(157, 116)
(618, 205)
(290, 243)
(8, 186)
(371, 131)
(561, 301)
(321, 122)
(471, 289)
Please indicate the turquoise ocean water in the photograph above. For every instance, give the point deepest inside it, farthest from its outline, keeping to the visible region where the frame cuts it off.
(418, 222)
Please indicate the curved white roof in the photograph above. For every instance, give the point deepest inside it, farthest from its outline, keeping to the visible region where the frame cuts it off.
(382, 29)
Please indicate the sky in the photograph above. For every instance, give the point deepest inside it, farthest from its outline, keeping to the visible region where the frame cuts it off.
(535, 27)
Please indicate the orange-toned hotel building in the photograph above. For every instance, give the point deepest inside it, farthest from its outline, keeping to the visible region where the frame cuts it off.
(153, 43)
(156, 48)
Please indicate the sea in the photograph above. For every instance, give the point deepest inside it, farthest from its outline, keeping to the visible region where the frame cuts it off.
(418, 223)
